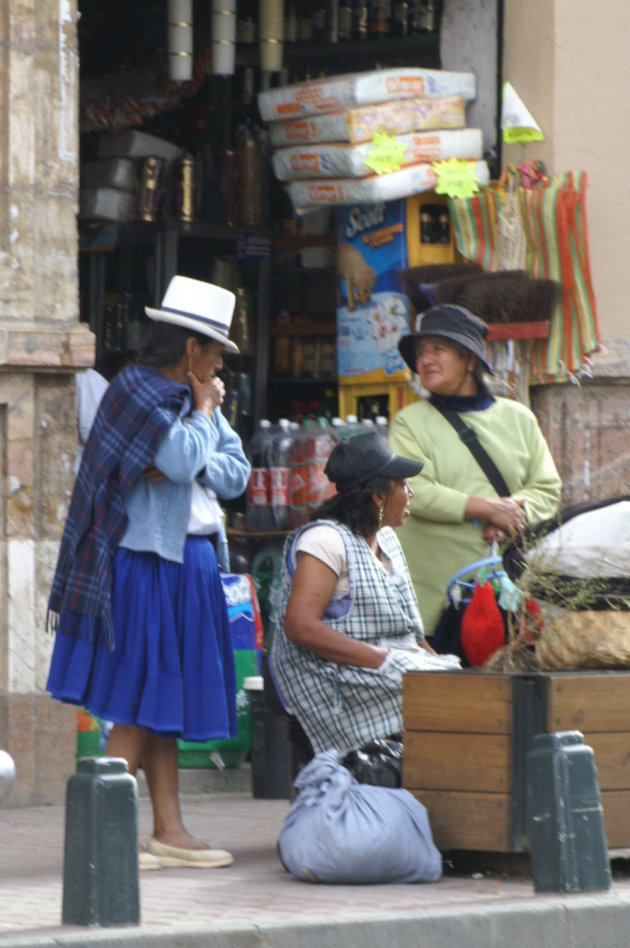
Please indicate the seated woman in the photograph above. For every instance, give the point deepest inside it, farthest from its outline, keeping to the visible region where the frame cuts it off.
(347, 623)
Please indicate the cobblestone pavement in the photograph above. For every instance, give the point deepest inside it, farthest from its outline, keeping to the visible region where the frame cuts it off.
(255, 891)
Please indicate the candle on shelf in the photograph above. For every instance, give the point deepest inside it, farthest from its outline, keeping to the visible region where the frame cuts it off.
(223, 37)
(271, 34)
(180, 40)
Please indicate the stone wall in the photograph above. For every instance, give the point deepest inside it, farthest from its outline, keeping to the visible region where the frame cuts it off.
(41, 347)
(587, 426)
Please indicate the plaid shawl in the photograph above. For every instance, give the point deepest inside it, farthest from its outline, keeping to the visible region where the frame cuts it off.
(136, 411)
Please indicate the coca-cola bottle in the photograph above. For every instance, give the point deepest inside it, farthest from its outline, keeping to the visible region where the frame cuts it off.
(258, 496)
(321, 444)
(280, 473)
(300, 446)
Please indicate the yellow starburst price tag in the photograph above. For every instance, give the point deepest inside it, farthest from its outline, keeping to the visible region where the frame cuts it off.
(386, 154)
(514, 135)
(456, 178)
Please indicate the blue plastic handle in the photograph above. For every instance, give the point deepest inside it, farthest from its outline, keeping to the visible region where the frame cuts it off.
(458, 578)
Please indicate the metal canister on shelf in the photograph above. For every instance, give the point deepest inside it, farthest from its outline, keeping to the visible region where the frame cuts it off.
(250, 191)
(186, 189)
(344, 20)
(242, 329)
(151, 191)
(400, 18)
(281, 361)
(228, 185)
(359, 19)
(380, 17)
(328, 358)
(424, 16)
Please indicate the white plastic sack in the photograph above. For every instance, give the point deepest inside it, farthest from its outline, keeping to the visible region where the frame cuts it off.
(341, 831)
(411, 179)
(334, 160)
(593, 543)
(349, 90)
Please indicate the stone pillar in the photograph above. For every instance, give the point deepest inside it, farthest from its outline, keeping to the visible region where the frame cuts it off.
(42, 345)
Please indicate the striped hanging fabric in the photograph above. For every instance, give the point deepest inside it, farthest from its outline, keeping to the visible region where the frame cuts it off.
(475, 222)
(554, 219)
(553, 211)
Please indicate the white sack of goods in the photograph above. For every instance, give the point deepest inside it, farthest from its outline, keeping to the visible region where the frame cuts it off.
(349, 161)
(413, 179)
(362, 88)
(359, 125)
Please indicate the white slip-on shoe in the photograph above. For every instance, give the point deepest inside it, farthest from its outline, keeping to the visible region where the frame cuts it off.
(148, 861)
(174, 857)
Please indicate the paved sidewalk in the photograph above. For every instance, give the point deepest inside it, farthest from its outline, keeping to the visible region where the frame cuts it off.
(256, 904)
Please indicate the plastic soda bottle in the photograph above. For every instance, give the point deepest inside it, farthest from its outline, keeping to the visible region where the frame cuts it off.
(298, 513)
(351, 427)
(258, 495)
(382, 425)
(321, 444)
(280, 473)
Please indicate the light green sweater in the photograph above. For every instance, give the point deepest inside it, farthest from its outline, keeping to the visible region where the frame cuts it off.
(436, 539)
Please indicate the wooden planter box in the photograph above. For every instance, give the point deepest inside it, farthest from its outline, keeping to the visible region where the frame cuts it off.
(466, 737)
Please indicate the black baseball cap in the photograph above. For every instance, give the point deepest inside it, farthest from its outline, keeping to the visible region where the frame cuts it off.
(357, 460)
(450, 322)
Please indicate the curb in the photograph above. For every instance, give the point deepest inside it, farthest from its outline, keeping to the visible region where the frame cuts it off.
(568, 921)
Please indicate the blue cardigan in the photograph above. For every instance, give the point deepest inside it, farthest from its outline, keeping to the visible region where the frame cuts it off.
(197, 447)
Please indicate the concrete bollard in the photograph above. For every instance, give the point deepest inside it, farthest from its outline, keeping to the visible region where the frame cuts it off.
(7, 774)
(565, 816)
(100, 872)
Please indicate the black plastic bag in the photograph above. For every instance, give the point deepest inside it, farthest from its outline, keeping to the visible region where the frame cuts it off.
(378, 763)
(447, 638)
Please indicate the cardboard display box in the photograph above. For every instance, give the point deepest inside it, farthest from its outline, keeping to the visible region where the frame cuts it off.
(467, 734)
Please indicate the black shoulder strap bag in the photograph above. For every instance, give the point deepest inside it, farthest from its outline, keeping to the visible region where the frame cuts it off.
(446, 638)
(469, 437)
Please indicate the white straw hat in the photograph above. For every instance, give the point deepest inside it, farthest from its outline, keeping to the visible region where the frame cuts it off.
(202, 307)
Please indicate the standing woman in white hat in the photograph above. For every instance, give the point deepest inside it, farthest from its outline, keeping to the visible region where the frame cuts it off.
(137, 602)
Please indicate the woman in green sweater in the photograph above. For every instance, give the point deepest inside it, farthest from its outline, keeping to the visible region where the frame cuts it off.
(455, 511)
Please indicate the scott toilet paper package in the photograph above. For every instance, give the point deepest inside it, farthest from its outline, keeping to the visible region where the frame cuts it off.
(362, 88)
(372, 313)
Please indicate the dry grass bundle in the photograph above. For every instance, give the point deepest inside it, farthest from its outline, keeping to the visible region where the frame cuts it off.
(586, 640)
(515, 656)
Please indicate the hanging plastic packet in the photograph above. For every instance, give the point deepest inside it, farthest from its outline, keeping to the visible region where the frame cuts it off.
(510, 598)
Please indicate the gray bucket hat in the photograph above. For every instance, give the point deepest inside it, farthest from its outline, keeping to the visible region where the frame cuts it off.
(450, 322)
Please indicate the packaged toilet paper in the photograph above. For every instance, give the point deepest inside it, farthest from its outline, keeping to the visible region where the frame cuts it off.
(326, 94)
(412, 179)
(333, 160)
(359, 125)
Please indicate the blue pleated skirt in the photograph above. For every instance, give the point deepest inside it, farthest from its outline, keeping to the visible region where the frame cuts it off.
(172, 668)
